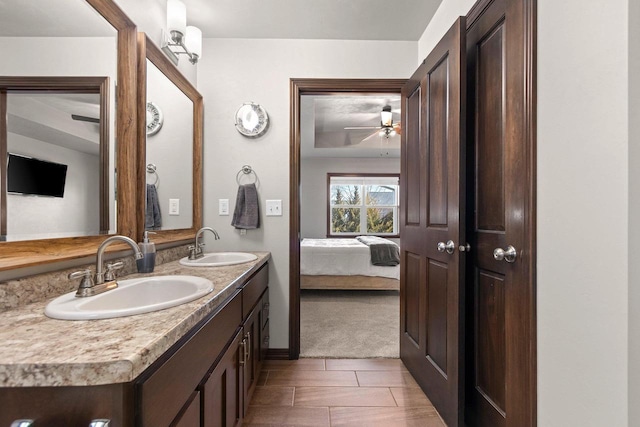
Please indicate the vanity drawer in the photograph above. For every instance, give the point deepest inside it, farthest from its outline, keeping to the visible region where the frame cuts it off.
(254, 289)
(165, 391)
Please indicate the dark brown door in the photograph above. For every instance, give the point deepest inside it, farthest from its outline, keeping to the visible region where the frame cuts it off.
(500, 317)
(432, 191)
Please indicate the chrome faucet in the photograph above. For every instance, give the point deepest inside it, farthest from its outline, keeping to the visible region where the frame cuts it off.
(102, 281)
(195, 251)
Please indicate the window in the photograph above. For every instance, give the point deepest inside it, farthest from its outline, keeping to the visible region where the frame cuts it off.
(363, 204)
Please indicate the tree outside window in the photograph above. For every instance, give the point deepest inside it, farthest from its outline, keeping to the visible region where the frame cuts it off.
(363, 204)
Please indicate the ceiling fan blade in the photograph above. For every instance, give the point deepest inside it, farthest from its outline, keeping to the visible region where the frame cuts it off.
(370, 136)
(361, 127)
(85, 118)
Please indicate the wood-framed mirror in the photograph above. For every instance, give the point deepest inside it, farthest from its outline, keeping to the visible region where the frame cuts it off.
(49, 33)
(169, 157)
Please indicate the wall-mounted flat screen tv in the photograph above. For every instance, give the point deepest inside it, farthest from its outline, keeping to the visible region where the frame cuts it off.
(26, 175)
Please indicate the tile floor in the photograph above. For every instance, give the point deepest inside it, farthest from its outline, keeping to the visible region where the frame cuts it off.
(339, 392)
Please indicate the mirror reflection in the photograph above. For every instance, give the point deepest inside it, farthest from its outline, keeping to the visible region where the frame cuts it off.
(169, 161)
(53, 147)
(58, 39)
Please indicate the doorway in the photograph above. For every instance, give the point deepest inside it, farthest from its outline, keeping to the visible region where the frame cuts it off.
(314, 87)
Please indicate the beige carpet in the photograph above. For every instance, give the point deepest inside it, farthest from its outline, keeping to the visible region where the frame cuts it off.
(349, 324)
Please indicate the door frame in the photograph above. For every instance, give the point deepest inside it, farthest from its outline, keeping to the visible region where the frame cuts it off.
(300, 87)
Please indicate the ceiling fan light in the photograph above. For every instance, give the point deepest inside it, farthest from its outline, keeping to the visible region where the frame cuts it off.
(386, 118)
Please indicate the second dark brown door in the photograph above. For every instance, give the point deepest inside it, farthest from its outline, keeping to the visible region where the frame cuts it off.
(500, 344)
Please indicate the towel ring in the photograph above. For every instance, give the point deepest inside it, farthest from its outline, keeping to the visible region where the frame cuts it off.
(246, 170)
(151, 169)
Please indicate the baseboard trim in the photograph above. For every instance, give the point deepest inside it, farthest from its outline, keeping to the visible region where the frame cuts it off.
(278, 354)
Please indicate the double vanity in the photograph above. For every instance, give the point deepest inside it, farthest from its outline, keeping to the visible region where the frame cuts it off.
(195, 363)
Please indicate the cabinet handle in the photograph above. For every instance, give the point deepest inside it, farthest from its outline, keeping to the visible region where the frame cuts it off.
(22, 423)
(248, 355)
(243, 359)
(100, 423)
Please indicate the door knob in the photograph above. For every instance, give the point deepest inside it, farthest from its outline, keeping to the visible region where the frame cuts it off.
(449, 247)
(509, 255)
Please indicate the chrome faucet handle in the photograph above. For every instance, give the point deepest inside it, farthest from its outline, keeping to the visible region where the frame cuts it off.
(110, 274)
(86, 282)
(86, 277)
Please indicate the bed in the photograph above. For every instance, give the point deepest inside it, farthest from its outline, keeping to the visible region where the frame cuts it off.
(343, 264)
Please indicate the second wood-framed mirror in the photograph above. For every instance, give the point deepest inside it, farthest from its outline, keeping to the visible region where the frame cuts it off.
(169, 148)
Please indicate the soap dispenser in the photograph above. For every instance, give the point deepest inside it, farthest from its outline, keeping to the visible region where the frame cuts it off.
(148, 249)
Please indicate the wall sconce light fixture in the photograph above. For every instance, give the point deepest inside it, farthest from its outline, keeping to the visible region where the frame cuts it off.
(180, 39)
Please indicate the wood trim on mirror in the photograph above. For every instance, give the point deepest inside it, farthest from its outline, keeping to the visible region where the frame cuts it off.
(148, 50)
(45, 251)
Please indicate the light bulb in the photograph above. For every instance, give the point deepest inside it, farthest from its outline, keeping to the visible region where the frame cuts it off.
(176, 17)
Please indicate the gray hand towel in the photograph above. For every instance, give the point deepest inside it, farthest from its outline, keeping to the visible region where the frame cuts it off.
(153, 217)
(246, 214)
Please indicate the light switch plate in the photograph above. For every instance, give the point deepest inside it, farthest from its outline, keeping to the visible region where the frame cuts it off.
(274, 207)
(174, 206)
(223, 207)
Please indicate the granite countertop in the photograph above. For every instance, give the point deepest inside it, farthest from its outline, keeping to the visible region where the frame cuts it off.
(38, 351)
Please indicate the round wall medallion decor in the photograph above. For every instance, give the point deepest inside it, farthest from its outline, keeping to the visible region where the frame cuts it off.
(154, 118)
(251, 120)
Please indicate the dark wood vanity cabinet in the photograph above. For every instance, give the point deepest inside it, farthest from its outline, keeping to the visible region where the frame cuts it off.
(205, 379)
(222, 376)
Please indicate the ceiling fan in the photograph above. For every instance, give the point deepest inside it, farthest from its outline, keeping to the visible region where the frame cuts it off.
(387, 127)
(84, 118)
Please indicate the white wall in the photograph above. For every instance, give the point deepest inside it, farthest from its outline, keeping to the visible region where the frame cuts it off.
(634, 209)
(75, 214)
(443, 19)
(234, 71)
(313, 187)
(171, 149)
(582, 212)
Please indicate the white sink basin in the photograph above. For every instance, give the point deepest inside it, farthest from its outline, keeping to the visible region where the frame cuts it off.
(217, 259)
(132, 296)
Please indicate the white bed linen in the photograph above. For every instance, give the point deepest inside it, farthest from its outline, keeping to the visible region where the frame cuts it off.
(340, 257)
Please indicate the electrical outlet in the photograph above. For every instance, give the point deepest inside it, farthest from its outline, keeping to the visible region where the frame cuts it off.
(274, 207)
(174, 206)
(223, 207)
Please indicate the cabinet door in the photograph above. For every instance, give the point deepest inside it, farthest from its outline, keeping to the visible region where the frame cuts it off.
(252, 331)
(222, 392)
(190, 417)
(264, 334)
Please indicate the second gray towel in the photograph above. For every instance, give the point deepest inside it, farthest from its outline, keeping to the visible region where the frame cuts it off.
(153, 217)
(247, 213)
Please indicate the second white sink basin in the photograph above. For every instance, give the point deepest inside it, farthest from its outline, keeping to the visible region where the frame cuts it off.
(217, 259)
(132, 296)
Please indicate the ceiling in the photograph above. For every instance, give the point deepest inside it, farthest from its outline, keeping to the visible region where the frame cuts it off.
(323, 119)
(269, 19)
(51, 18)
(47, 117)
(308, 19)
